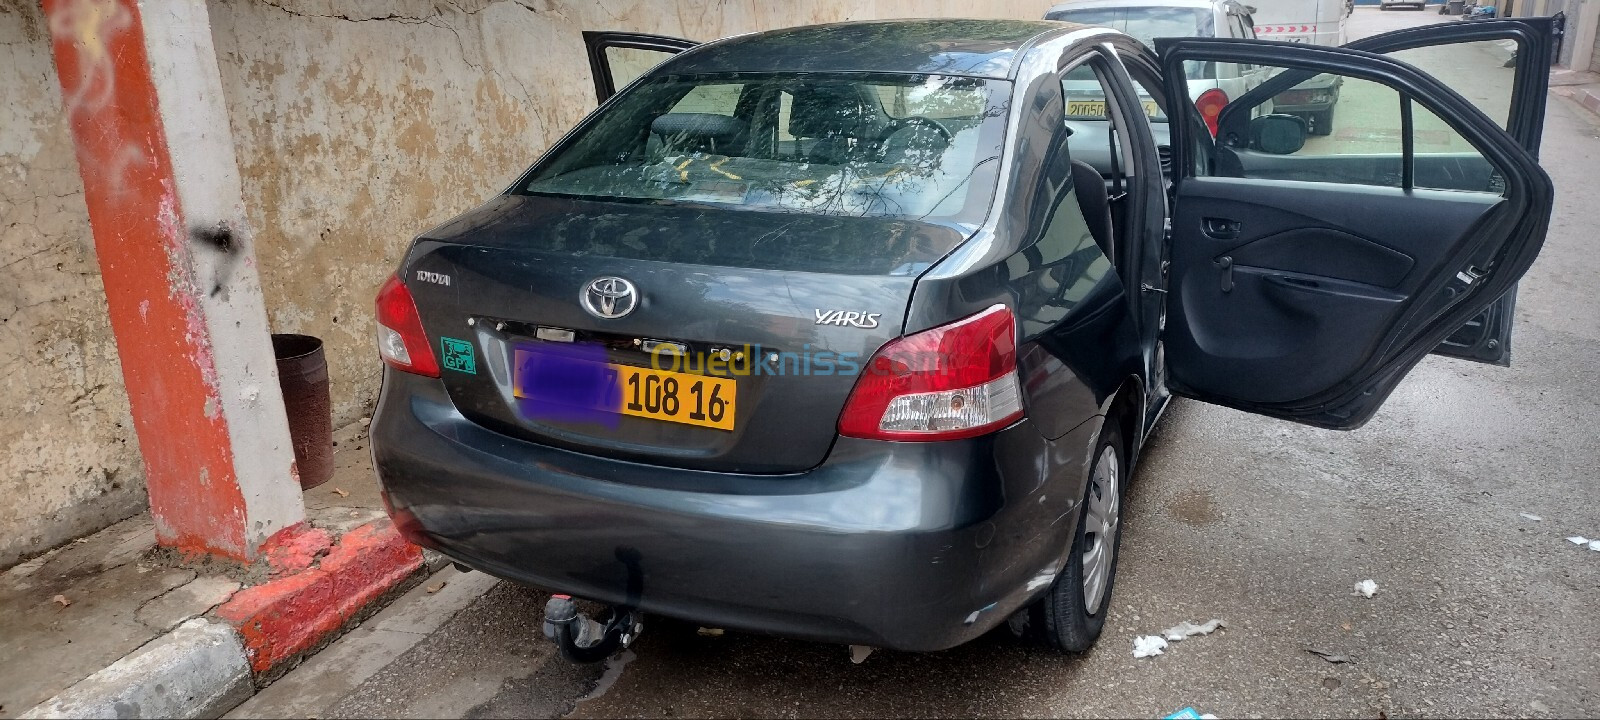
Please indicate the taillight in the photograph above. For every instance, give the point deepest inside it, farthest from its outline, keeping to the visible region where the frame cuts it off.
(952, 381)
(401, 341)
(1210, 104)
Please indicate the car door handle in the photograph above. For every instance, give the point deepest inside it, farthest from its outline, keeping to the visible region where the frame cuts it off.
(1220, 228)
(1295, 282)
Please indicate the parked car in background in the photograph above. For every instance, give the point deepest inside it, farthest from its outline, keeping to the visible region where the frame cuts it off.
(1414, 4)
(1313, 22)
(848, 333)
(1212, 84)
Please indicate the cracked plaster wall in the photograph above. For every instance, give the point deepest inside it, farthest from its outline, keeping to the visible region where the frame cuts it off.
(360, 125)
(357, 126)
(69, 463)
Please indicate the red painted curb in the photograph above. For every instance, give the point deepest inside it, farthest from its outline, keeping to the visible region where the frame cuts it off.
(291, 614)
(295, 548)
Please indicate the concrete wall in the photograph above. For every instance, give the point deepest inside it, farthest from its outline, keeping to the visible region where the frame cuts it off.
(1586, 37)
(69, 463)
(359, 125)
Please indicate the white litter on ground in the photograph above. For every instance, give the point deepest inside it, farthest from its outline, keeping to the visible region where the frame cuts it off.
(1367, 588)
(1578, 540)
(1148, 646)
(1186, 628)
(1594, 545)
(1531, 516)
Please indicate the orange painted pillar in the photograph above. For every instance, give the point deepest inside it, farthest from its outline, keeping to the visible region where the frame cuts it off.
(144, 96)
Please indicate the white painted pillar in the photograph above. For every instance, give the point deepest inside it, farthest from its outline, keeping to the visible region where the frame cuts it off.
(144, 95)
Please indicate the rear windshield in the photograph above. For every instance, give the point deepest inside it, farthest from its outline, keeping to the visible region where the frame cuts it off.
(923, 146)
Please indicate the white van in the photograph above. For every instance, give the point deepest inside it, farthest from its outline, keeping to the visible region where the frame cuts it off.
(1315, 22)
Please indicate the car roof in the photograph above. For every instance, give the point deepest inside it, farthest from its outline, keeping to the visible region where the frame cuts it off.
(982, 48)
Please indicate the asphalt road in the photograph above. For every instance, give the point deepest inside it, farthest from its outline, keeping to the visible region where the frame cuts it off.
(1266, 525)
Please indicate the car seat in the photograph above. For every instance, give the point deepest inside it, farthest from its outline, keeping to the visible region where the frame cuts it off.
(830, 121)
(1090, 189)
(701, 132)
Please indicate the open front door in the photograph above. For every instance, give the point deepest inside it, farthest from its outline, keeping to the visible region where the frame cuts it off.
(1498, 65)
(1309, 274)
(617, 58)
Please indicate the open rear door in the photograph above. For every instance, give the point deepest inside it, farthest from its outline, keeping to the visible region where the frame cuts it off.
(618, 58)
(1472, 58)
(1309, 274)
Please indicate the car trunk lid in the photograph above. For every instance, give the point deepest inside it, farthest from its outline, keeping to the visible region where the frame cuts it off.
(785, 306)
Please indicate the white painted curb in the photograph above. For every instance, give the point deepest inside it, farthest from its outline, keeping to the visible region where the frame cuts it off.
(196, 671)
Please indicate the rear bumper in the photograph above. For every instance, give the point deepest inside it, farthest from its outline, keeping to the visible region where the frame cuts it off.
(1332, 86)
(1306, 108)
(913, 546)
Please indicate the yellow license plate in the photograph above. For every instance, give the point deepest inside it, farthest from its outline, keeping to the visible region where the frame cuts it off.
(677, 397)
(1097, 108)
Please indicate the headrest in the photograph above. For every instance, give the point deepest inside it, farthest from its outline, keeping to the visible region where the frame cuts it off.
(704, 132)
(830, 110)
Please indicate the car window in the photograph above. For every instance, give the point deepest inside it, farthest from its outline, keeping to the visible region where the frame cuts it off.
(1085, 97)
(792, 142)
(721, 99)
(901, 101)
(1483, 72)
(1099, 128)
(629, 63)
(1359, 136)
(1241, 29)
(1237, 24)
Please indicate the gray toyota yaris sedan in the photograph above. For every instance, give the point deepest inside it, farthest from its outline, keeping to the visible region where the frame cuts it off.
(853, 332)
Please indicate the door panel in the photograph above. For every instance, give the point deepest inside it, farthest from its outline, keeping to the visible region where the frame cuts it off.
(617, 58)
(1284, 287)
(1486, 338)
(1305, 286)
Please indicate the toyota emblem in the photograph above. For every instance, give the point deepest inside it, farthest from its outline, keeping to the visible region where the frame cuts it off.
(609, 297)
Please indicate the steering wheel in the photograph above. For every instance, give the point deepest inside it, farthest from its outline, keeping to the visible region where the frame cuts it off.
(897, 124)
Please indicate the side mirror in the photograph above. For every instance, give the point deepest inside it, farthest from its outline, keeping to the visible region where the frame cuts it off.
(1278, 134)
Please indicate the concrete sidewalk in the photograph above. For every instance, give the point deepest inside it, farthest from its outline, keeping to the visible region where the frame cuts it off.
(111, 625)
(1582, 87)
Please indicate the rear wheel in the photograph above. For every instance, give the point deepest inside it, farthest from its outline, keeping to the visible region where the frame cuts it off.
(1071, 615)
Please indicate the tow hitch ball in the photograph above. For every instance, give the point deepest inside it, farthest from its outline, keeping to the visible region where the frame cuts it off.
(582, 639)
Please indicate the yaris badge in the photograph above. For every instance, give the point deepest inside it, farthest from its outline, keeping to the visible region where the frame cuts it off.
(609, 297)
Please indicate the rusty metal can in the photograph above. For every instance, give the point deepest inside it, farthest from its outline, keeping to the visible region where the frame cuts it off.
(303, 377)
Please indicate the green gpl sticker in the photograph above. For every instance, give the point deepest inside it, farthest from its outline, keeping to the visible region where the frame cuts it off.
(458, 356)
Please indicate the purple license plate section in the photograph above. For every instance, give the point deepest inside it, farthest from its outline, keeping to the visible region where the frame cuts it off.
(564, 382)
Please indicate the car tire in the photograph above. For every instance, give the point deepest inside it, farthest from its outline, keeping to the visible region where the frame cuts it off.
(1069, 618)
(1321, 122)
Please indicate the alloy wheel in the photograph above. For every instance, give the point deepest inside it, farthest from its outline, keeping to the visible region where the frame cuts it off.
(1102, 513)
